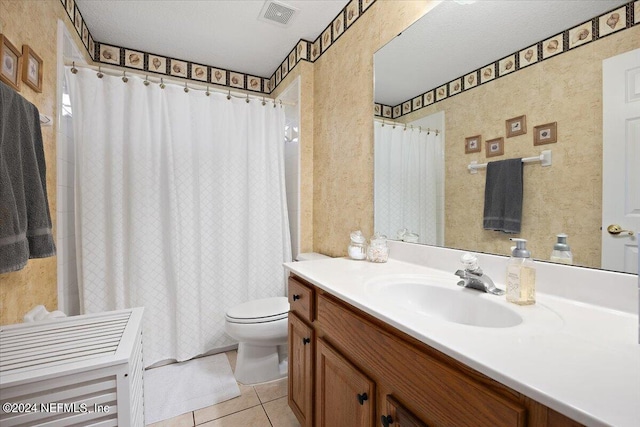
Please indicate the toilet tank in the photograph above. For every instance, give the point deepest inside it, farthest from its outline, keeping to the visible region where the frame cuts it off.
(311, 256)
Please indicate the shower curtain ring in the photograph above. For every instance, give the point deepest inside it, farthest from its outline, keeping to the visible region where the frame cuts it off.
(263, 102)
(186, 88)
(274, 103)
(146, 81)
(162, 85)
(281, 103)
(405, 127)
(99, 74)
(74, 70)
(207, 92)
(229, 95)
(124, 77)
(419, 129)
(247, 100)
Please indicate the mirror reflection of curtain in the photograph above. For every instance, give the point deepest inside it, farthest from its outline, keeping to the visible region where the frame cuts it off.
(407, 165)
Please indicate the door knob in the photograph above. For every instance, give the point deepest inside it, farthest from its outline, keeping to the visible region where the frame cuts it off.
(296, 297)
(362, 398)
(615, 229)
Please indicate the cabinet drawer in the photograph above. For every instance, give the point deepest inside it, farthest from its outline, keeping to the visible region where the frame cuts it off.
(301, 299)
(435, 392)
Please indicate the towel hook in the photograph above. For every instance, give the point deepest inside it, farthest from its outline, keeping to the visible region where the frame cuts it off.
(99, 74)
(74, 70)
(162, 85)
(124, 76)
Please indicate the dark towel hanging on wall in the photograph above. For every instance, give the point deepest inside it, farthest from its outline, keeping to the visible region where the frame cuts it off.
(25, 222)
(503, 196)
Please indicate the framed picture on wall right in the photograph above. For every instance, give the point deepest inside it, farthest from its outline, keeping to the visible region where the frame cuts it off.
(472, 144)
(545, 134)
(495, 147)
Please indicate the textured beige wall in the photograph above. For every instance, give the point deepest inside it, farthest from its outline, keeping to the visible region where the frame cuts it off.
(343, 131)
(35, 23)
(565, 197)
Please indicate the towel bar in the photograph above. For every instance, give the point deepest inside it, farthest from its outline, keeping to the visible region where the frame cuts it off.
(544, 158)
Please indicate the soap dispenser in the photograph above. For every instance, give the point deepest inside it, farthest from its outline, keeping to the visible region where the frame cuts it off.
(561, 251)
(521, 275)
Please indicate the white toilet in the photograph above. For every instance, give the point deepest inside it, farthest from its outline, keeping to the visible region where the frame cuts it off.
(260, 326)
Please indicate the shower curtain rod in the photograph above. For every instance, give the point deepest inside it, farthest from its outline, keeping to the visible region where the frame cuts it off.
(187, 84)
(404, 125)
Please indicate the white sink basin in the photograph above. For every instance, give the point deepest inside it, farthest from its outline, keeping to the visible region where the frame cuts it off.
(450, 302)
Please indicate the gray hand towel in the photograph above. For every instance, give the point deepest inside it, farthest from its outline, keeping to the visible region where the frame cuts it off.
(25, 222)
(503, 196)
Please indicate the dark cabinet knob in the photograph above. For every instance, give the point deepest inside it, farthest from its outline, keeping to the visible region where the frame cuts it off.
(296, 297)
(386, 420)
(306, 341)
(362, 397)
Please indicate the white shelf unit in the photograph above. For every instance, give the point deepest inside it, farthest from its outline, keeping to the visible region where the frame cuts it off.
(76, 371)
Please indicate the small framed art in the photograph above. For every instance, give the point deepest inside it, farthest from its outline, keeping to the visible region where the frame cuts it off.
(31, 69)
(495, 147)
(472, 144)
(516, 126)
(545, 134)
(10, 64)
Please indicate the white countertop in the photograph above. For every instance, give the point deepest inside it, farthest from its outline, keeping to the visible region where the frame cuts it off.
(579, 359)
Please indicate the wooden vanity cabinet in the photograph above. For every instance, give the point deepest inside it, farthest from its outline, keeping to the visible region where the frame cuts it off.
(407, 383)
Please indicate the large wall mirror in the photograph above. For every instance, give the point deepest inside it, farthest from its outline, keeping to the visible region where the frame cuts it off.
(464, 70)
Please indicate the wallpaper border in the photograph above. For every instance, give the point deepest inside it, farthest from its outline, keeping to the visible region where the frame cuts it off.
(142, 61)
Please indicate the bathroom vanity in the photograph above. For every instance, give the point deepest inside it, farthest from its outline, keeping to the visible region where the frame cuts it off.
(366, 348)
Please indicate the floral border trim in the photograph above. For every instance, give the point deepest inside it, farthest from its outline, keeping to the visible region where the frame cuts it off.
(618, 19)
(173, 67)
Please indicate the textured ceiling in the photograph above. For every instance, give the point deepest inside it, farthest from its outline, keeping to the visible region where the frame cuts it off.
(220, 33)
(454, 39)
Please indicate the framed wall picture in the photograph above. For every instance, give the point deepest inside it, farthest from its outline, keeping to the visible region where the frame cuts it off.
(495, 147)
(545, 134)
(31, 68)
(516, 126)
(472, 144)
(11, 62)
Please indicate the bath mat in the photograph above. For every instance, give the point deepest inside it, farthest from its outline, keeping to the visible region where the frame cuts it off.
(175, 389)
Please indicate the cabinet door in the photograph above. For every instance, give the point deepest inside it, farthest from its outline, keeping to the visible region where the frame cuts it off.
(301, 344)
(396, 415)
(344, 395)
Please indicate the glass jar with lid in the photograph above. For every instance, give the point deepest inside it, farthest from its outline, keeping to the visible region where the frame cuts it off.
(378, 250)
(358, 246)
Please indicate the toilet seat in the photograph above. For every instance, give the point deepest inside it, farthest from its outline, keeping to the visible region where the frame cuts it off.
(259, 311)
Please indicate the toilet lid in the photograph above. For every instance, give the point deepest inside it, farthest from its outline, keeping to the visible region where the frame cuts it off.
(259, 310)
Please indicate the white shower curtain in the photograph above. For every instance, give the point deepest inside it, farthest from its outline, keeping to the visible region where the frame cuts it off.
(180, 207)
(407, 167)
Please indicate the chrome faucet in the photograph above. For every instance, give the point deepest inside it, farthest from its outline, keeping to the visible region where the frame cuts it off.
(473, 277)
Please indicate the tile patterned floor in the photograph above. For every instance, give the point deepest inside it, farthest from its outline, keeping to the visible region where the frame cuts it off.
(263, 405)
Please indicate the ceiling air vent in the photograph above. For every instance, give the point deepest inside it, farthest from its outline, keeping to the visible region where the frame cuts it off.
(278, 13)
